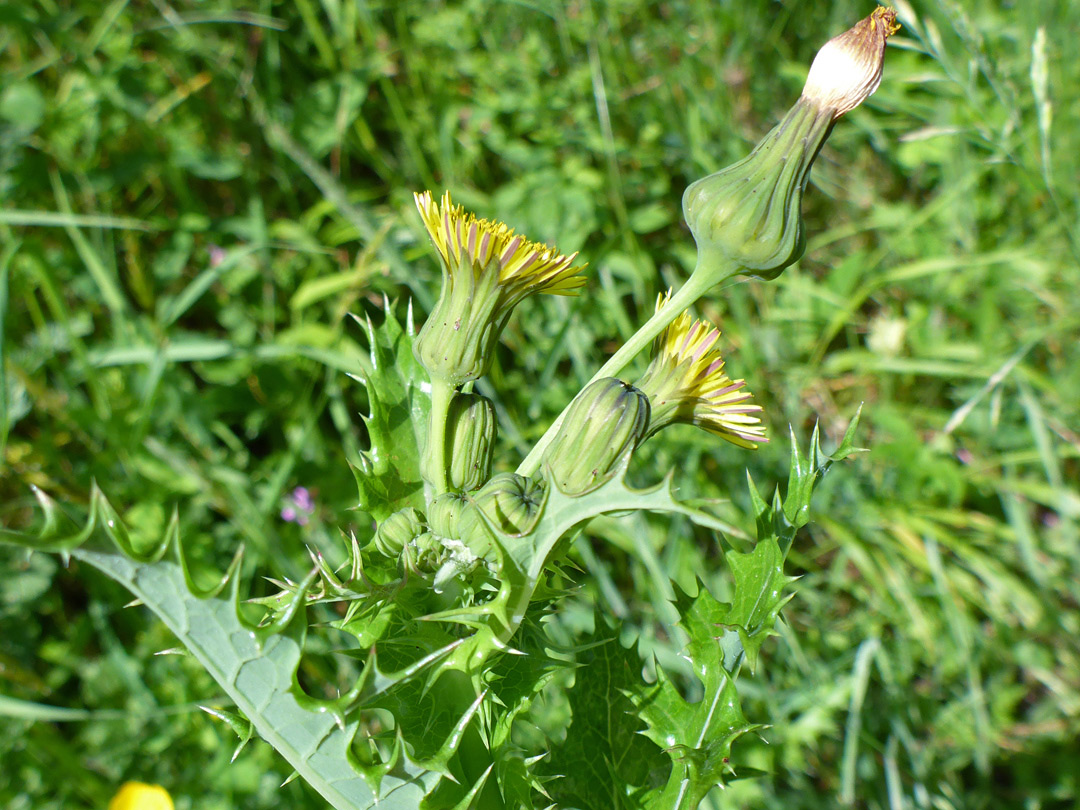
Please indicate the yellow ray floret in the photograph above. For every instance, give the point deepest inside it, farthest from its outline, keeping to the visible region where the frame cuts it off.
(140, 796)
(530, 267)
(686, 383)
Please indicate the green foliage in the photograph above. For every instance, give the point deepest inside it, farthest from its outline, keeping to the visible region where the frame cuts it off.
(388, 473)
(925, 661)
(255, 666)
(605, 761)
(699, 735)
(433, 681)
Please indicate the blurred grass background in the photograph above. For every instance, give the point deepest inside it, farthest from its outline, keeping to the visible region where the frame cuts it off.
(194, 194)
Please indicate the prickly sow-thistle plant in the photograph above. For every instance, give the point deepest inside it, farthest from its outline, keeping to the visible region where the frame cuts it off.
(448, 603)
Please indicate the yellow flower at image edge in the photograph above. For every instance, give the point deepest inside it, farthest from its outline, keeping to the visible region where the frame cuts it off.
(685, 382)
(140, 796)
(487, 270)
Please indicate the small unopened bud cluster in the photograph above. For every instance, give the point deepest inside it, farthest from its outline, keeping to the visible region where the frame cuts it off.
(454, 537)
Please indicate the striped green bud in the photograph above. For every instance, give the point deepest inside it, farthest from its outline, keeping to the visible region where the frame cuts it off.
(453, 525)
(750, 213)
(470, 425)
(512, 502)
(398, 530)
(602, 426)
(457, 341)
(445, 512)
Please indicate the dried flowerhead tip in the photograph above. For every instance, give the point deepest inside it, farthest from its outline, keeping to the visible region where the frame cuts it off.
(750, 212)
(455, 234)
(685, 382)
(847, 69)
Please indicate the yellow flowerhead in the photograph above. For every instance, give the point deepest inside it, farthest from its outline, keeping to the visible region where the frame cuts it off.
(140, 796)
(487, 271)
(528, 266)
(685, 382)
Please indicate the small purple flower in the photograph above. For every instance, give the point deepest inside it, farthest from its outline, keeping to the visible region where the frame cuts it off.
(302, 498)
(300, 508)
(217, 255)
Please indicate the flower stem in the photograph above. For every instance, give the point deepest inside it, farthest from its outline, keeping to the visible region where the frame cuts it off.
(433, 466)
(701, 281)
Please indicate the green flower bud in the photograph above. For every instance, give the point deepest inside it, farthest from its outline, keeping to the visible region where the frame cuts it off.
(470, 426)
(603, 425)
(426, 552)
(454, 525)
(471, 539)
(750, 212)
(398, 530)
(457, 341)
(512, 502)
(445, 512)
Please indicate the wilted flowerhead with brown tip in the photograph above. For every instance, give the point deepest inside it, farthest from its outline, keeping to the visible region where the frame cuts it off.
(847, 69)
(750, 213)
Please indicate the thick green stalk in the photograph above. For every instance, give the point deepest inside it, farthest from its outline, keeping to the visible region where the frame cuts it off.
(704, 278)
(433, 464)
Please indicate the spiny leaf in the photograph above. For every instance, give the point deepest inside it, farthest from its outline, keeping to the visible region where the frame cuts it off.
(697, 736)
(256, 667)
(517, 781)
(388, 473)
(432, 720)
(469, 800)
(759, 596)
(784, 517)
(604, 760)
(239, 724)
(516, 682)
